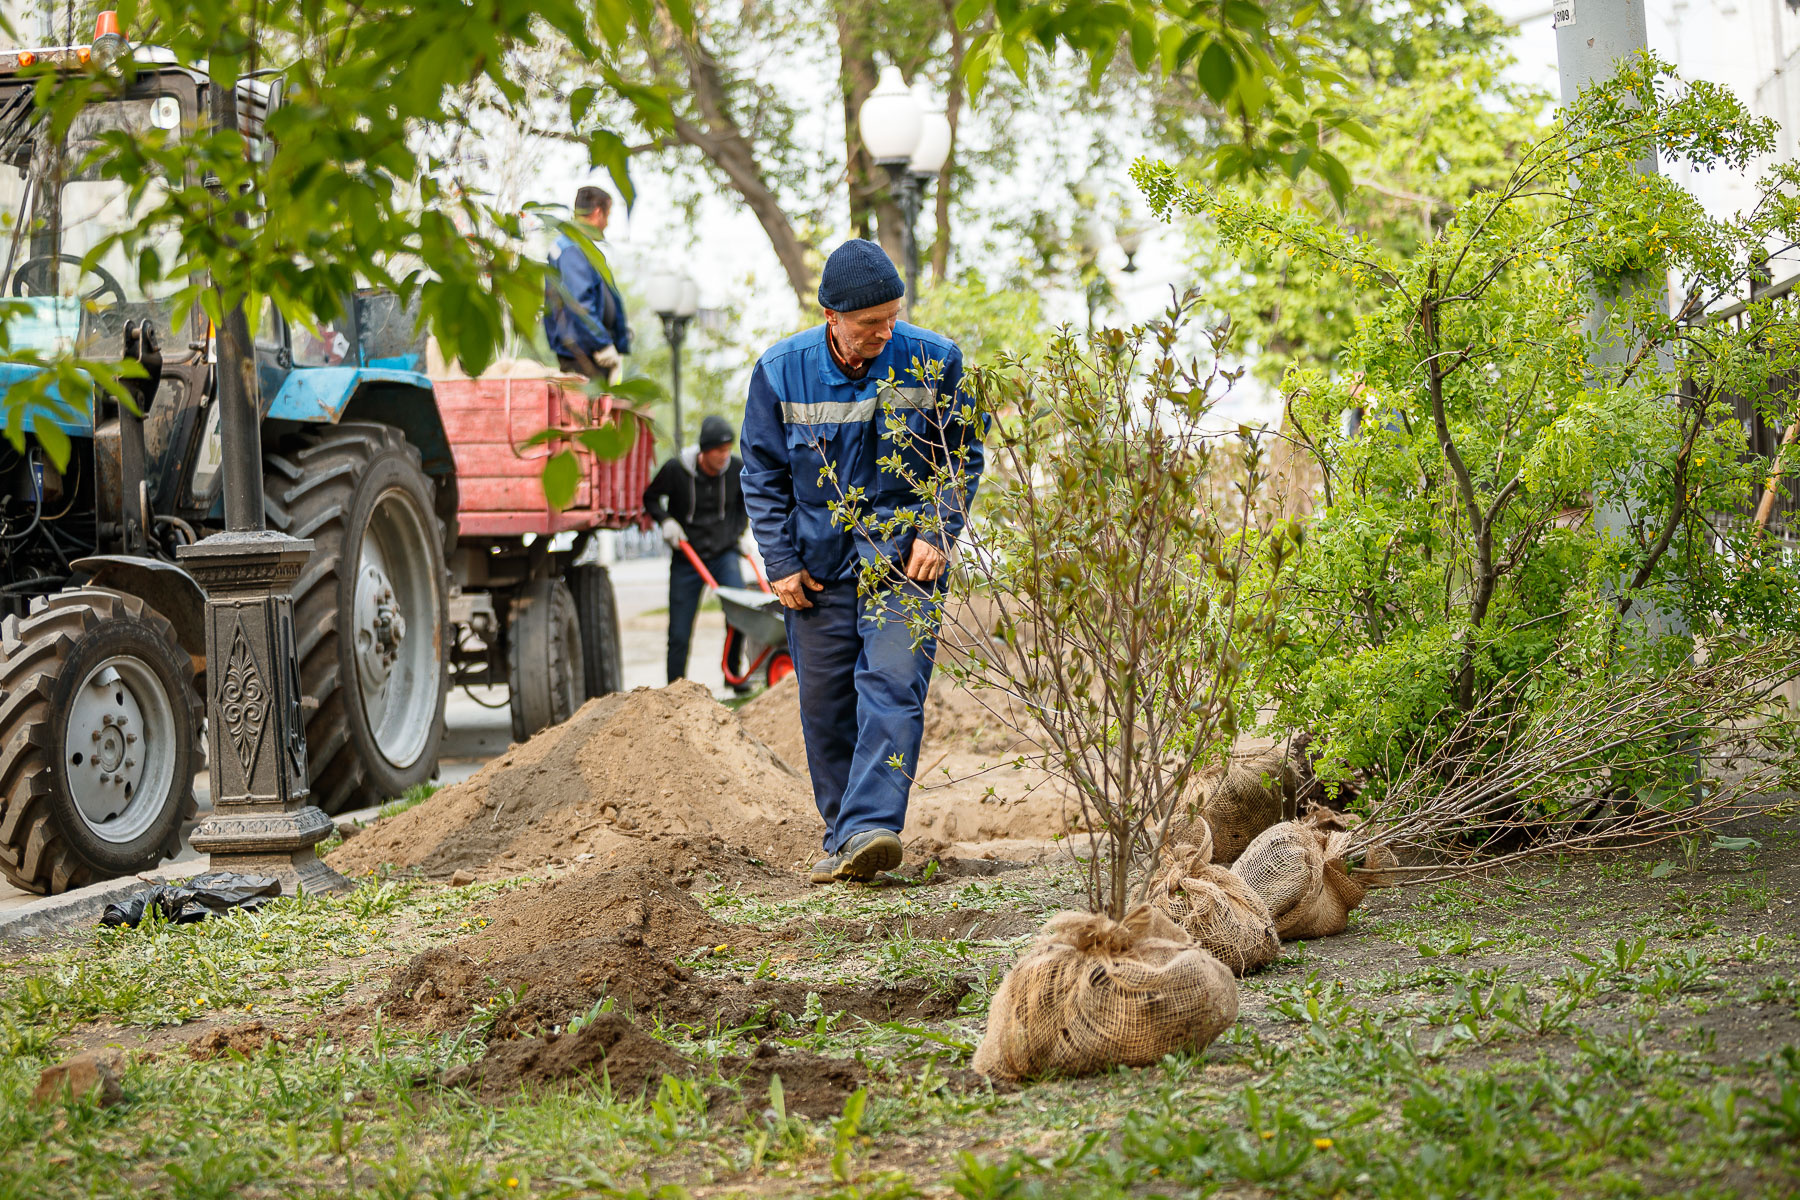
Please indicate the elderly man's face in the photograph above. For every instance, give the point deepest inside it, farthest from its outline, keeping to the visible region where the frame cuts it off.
(865, 332)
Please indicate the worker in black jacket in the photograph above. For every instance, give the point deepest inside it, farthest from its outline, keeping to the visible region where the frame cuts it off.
(696, 496)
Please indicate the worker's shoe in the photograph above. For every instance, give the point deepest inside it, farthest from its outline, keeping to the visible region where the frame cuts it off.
(825, 870)
(867, 854)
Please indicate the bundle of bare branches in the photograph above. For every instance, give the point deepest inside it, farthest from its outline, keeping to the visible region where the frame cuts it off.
(1625, 761)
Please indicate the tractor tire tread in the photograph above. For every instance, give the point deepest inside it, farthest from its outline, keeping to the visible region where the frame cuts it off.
(312, 482)
(34, 854)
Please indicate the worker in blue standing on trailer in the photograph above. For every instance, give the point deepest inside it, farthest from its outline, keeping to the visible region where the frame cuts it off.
(818, 400)
(584, 315)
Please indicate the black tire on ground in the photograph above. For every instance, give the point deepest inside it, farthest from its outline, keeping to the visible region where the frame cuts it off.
(543, 657)
(375, 697)
(603, 672)
(145, 723)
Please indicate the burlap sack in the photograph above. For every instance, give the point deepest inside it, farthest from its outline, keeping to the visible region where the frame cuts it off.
(1216, 908)
(1093, 992)
(1238, 801)
(1380, 868)
(1297, 868)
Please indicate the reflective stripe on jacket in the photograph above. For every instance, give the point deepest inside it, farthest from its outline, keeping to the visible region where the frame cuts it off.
(805, 415)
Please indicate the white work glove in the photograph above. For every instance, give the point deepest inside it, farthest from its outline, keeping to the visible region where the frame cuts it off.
(672, 532)
(747, 545)
(608, 357)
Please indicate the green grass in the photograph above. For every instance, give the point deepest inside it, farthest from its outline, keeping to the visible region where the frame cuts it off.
(1477, 1039)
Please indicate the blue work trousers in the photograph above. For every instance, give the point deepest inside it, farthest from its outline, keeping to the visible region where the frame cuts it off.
(862, 705)
(685, 589)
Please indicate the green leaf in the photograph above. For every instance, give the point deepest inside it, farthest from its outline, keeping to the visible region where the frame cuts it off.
(561, 476)
(1335, 174)
(1216, 72)
(51, 437)
(641, 390)
(611, 441)
(580, 100)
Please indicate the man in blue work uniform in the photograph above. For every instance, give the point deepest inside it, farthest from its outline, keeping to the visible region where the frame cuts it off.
(825, 398)
(584, 315)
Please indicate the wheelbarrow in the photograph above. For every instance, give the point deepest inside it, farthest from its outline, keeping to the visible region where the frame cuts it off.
(753, 619)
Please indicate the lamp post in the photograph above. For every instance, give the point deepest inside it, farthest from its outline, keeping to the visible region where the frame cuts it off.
(675, 298)
(907, 133)
(261, 822)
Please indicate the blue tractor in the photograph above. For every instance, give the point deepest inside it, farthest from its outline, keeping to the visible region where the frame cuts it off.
(100, 631)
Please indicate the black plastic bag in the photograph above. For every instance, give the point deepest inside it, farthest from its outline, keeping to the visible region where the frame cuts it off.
(195, 900)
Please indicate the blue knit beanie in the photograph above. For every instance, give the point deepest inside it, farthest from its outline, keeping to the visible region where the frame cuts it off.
(859, 275)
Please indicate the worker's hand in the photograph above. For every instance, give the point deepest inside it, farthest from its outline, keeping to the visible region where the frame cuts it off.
(925, 562)
(792, 590)
(672, 532)
(608, 357)
(747, 545)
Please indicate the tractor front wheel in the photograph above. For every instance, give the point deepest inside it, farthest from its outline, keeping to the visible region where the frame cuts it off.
(99, 740)
(371, 608)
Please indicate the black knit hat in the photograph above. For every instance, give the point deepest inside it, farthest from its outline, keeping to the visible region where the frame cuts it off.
(716, 431)
(859, 275)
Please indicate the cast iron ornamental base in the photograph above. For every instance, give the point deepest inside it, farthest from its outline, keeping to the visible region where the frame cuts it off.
(261, 823)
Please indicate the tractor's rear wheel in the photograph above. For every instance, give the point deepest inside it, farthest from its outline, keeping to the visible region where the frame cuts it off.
(99, 740)
(544, 661)
(371, 609)
(597, 610)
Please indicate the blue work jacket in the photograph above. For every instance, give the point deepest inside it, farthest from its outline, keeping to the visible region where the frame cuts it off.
(582, 311)
(805, 415)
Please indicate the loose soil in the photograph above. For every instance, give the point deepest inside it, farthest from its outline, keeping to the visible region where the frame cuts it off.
(656, 776)
(613, 1048)
(245, 1039)
(441, 988)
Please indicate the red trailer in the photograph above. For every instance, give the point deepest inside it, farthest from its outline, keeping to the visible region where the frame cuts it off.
(531, 603)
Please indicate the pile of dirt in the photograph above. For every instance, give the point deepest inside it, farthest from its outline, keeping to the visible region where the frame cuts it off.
(773, 718)
(970, 792)
(609, 1045)
(654, 776)
(441, 988)
(612, 1047)
(634, 903)
(247, 1039)
(551, 952)
(957, 720)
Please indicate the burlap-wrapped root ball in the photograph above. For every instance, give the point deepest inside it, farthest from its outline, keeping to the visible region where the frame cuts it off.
(1297, 867)
(1093, 992)
(1216, 908)
(1238, 801)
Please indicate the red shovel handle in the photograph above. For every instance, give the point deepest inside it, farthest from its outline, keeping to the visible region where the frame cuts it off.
(688, 549)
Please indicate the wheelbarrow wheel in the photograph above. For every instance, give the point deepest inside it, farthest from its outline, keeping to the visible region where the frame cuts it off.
(781, 665)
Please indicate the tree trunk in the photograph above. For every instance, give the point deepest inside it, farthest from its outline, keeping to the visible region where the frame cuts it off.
(1480, 527)
(953, 101)
(869, 194)
(726, 147)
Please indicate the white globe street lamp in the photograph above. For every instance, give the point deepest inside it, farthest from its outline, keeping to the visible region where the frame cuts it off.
(909, 135)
